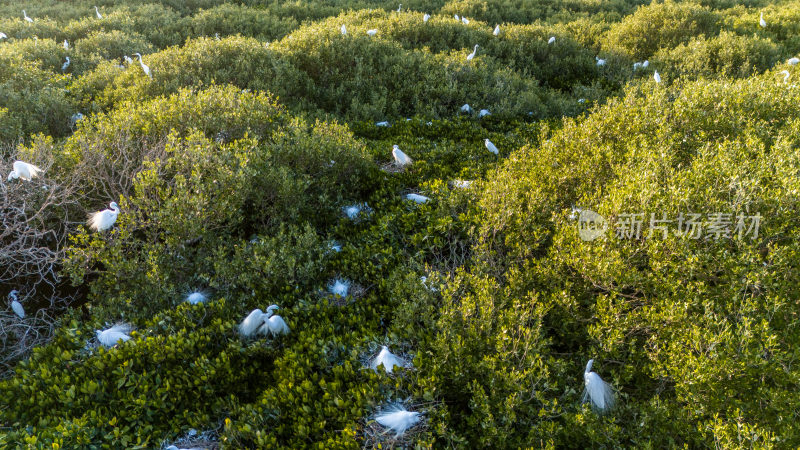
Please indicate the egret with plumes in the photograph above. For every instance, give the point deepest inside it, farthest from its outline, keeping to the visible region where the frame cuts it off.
(343, 30)
(109, 337)
(251, 323)
(387, 359)
(496, 30)
(353, 211)
(597, 391)
(382, 124)
(196, 297)
(105, 219)
(65, 65)
(762, 22)
(24, 171)
(426, 17)
(464, 20)
(466, 108)
(552, 40)
(339, 287)
(66, 45)
(274, 325)
(5, 36)
(483, 112)
(398, 419)
(97, 11)
(600, 62)
(458, 19)
(657, 77)
(793, 61)
(417, 198)
(16, 306)
(25, 16)
(472, 55)
(372, 32)
(491, 147)
(400, 158)
(144, 66)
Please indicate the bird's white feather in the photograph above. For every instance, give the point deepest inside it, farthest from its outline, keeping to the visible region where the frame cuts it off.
(417, 198)
(103, 220)
(274, 326)
(23, 170)
(339, 287)
(196, 297)
(597, 392)
(400, 157)
(251, 323)
(398, 419)
(387, 359)
(18, 309)
(491, 147)
(118, 332)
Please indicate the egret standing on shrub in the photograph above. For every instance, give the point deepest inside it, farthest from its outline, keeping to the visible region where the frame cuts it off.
(343, 30)
(105, 219)
(762, 22)
(66, 45)
(273, 324)
(496, 30)
(251, 323)
(400, 158)
(426, 17)
(372, 32)
(25, 15)
(3, 35)
(110, 337)
(24, 171)
(16, 306)
(196, 297)
(552, 40)
(657, 77)
(398, 419)
(417, 198)
(399, 7)
(793, 61)
(490, 146)
(97, 11)
(600, 62)
(387, 359)
(65, 65)
(597, 391)
(144, 66)
(472, 55)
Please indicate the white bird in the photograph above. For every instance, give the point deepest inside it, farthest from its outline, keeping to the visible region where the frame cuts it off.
(399, 7)
(464, 20)
(398, 419)
(386, 359)
(97, 11)
(3, 35)
(400, 158)
(466, 108)
(417, 198)
(339, 287)
(762, 22)
(110, 337)
(105, 219)
(426, 17)
(786, 76)
(457, 18)
(343, 29)
(144, 66)
(491, 147)
(16, 306)
(790, 61)
(75, 118)
(352, 211)
(65, 65)
(657, 77)
(472, 55)
(645, 64)
(382, 124)
(24, 170)
(496, 30)
(251, 323)
(597, 391)
(273, 325)
(196, 297)
(372, 32)
(462, 184)
(600, 62)
(25, 15)
(552, 40)
(636, 65)
(483, 112)
(66, 45)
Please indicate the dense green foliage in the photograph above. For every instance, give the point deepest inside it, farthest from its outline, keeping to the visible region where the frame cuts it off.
(233, 162)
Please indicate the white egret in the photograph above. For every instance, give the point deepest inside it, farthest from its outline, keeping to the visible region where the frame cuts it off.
(339, 287)
(398, 419)
(786, 76)
(353, 211)
(25, 15)
(657, 77)
(637, 65)
(417, 198)
(334, 246)
(97, 11)
(105, 219)
(24, 171)
(127, 59)
(496, 30)
(372, 32)
(597, 391)
(274, 325)
(490, 146)
(472, 55)
(251, 323)
(382, 124)
(144, 66)
(65, 65)
(110, 336)
(483, 112)
(399, 7)
(793, 61)
(426, 17)
(343, 30)
(458, 19)
(400, 158)
(3, 35)
(581, 100)
(16, 306)
(196, 297)
(66, 45)
(386, 359)
(462, 184)
(552, 40)
(464, 20)
(645, 64)
(600, 62)
(762, 22)
(466, 108)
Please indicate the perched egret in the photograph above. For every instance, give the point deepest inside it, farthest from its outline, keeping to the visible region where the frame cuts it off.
(466, 108)
(105, 219)
(273, 325)
(657, 77)
(645, 64)
(372, 32)
(75, 118)
(597, 391)
(637, 65)
(353, 211)
(24, 170)
(786, 76)
(144, 66)
(66, 45)
(417, 198)
(334, 246)
(398, 419)
(110, 336)
(339, 287)
(491, 147)
(399, 7)
(793, 61)
(464, 20)
(97, 11)
(16, 306)
(581, 100)
(25, 15)
(472, 55)
(5, 36)
(458, 19)
(762, 22)
(462, 184)
(386, 359)
(382, 124)
(426, 17)
(343, 29)
(496, 30)
(251, 323)
(196, 297)
(65, 65)
(552, 40)
(400, 158)
(483, 112)
(600, 62)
